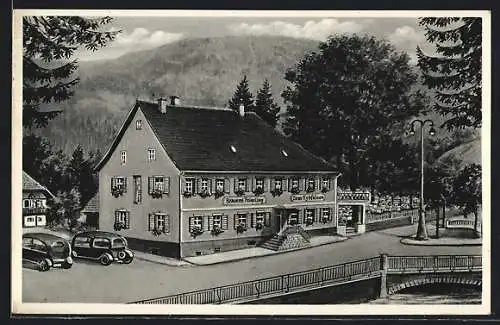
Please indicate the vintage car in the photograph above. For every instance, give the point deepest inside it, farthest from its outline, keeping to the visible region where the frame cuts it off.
(46, 250)
(101, 246)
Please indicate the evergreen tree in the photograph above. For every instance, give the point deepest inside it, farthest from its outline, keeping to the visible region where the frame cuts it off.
(242, 95)
(348, 100)
(79, 175)
(265, 106)
(48, 45)
(455, 72)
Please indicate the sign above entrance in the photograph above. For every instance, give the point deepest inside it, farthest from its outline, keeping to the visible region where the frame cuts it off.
(353, 196)
(307, 197)
(244, 200)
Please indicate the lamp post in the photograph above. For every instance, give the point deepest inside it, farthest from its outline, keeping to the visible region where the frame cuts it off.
(422, 229)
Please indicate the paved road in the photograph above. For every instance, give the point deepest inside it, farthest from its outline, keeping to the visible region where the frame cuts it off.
(89, 282)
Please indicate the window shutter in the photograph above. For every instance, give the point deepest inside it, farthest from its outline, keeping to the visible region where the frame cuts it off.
(284, 184)
(267, 219)
(183, 180)
(316, 214)
(166, 184)
(318, 184)
(290, 181)
(124, 184)
(127, 220)
(150, 184)
(198, 185)
(267, 184)
(210, 223)
(151, 221)
(248, 219)
(235, 221)
(166, 229)
(254, 220)
(205, 224)
(227, 185)
(235, 183)
(191, 223)
(300, 216)
(302, 184)
(113, 182)
(211, 185)
(247, 185)
(253, 179)
(224, 222)
(116, 216)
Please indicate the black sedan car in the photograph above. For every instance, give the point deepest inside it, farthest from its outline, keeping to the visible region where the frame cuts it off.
(46, 251)
(101, 246)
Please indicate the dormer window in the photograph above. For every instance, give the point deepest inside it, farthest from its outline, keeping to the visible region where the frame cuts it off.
(138, 125)
(233, 148)
(284, 153)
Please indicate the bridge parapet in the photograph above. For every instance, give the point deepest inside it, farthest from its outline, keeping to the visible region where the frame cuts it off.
(395, 272)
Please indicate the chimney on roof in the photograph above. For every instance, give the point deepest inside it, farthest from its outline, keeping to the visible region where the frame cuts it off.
(175, 101)
(162, 105)
(241, 109)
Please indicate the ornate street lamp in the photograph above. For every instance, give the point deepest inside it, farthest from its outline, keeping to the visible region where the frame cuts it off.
(422, 229)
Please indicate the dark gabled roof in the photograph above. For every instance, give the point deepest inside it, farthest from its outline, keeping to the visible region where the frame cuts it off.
(29, 184)
(92, 205)
(200, 139)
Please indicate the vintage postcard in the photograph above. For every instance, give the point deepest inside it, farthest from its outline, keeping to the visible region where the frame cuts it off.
(251, 162)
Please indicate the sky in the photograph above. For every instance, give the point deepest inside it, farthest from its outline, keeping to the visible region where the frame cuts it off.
(141, 33)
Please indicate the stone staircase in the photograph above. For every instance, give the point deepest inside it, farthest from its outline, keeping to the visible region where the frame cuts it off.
(289, 238)
(351, 231)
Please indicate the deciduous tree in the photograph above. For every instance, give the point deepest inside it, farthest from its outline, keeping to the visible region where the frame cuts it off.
(342, 97)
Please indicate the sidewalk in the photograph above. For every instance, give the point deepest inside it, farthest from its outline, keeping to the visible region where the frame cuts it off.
(246, 253)
(444, 241)
(159, 259)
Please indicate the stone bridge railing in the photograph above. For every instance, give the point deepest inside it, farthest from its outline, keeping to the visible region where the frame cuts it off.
(376, 267)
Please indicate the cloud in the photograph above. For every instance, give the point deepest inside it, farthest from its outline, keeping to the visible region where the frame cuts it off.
(406, 38)
(141, 37)
(318, 30)
(137, 40)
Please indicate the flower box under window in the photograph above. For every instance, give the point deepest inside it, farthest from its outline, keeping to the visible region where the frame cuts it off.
(295, 190)
(258, 191)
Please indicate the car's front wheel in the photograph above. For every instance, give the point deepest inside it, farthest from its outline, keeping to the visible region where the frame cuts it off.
(67, 265)
(128, 260)
(105, 259)
(43, 265)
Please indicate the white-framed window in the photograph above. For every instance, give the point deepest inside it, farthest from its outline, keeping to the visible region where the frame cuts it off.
(311, 183)
(325, 213)
(204, 185)
(123, 217)
(160, 222)
(242, 219)
(123, 157)
(198, 222)
(188, 185)
(119, 182)
(293, 218)
(295, 183)
(138, 125)
(309, 213)
(30, 219)
(217, 221)
(277, 184)
(325, 183)
(26, 203)
(151, 154)
(242, 184)
(219, 185)
(259, 183)
(259, 217)
(158, 183)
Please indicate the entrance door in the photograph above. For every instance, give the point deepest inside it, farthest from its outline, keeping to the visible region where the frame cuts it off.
(352, 217)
